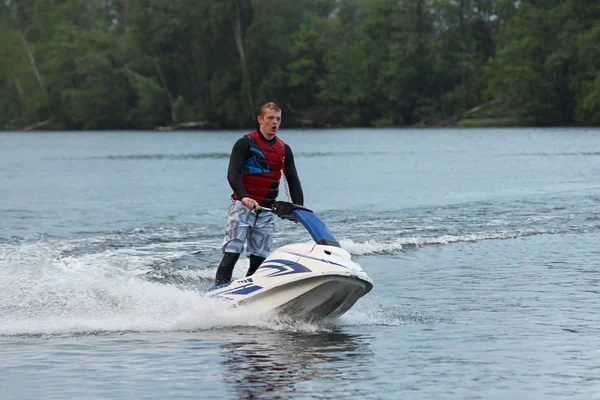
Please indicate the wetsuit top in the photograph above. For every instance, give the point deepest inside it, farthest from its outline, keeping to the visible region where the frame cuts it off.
(255, 169)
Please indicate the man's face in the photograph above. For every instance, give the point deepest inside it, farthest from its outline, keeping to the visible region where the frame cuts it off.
(269, 123)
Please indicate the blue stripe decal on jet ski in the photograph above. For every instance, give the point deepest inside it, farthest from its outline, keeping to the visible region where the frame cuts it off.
(246, 289)
(222, 285)
(284, 267)
(319, 259)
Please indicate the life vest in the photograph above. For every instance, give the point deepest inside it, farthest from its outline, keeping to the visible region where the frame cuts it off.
(262, 169)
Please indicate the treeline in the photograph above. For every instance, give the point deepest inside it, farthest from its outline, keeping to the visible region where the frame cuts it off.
(139, 64)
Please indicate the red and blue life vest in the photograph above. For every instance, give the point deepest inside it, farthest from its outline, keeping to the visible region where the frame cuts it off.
(262, 169)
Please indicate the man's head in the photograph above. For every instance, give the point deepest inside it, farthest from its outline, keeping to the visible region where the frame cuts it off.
(269, 119)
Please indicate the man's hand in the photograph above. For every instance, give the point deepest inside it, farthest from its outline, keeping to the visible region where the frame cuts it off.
(249, 203)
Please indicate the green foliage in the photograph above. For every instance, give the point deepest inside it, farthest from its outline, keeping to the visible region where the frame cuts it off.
(585, 78)
(12, 101)
(98, 100)
(547, 67)
(151, 108)
(138, 64)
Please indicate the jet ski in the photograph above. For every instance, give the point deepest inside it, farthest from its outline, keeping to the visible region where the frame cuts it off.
(308, 281)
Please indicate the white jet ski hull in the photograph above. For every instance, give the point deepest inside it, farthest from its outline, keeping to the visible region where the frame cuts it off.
(324, 297)
(305, 281)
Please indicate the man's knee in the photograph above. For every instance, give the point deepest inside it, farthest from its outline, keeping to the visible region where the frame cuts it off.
(234, 245)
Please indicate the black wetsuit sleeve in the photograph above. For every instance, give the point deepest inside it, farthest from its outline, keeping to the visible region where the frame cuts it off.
(236, 164)
(292, 177)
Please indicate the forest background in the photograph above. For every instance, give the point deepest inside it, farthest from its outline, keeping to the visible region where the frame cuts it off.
(143, 64)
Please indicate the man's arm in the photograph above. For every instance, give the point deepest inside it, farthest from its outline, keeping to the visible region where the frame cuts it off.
(292, 177)
(236, 164)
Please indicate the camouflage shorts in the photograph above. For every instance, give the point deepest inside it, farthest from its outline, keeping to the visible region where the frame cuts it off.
(245, 225)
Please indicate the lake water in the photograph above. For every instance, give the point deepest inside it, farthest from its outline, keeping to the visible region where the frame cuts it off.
(483, 245)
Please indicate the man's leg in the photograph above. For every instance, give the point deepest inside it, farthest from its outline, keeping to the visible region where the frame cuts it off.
(260, 239)
(239, 220)
(255, 262)
(225, 269)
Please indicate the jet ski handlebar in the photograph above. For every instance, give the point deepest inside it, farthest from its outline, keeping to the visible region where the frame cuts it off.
(283, 209)
(311, 222)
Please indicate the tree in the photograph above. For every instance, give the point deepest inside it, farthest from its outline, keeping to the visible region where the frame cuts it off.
(524, 73)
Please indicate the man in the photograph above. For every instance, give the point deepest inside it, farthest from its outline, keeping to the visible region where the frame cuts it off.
(255, 166)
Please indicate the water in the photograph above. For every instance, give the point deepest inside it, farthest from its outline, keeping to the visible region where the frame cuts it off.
(482, 244)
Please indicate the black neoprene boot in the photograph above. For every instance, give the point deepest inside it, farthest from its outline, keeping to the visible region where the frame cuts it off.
(225, 269)
(255, 262)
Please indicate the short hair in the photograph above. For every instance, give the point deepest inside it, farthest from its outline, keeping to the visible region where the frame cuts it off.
(269, 106)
